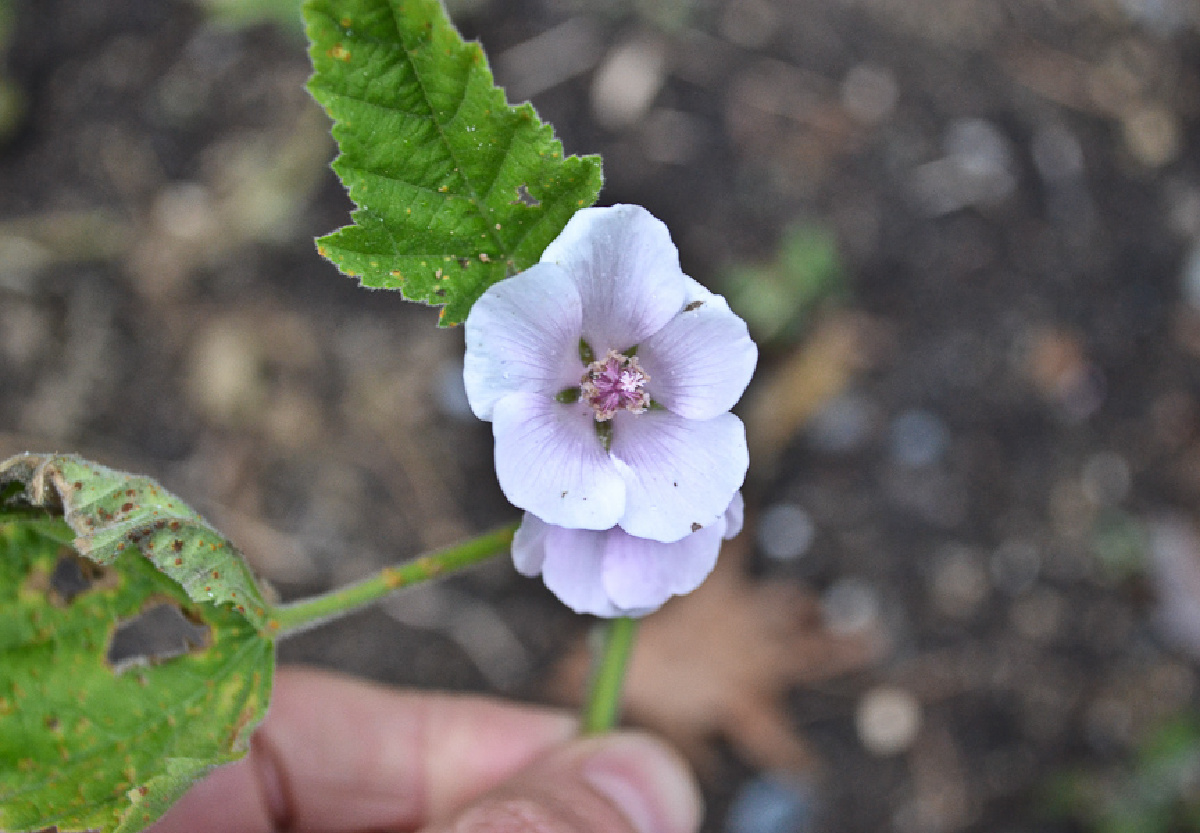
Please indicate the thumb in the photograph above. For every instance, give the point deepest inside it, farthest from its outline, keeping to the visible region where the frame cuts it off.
(619, 783)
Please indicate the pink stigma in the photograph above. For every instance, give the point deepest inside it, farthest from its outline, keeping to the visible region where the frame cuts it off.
(615, 383)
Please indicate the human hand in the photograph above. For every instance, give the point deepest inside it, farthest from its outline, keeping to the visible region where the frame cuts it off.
(336, 754)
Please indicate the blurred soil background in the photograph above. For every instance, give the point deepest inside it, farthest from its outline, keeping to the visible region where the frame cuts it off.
(967, 236)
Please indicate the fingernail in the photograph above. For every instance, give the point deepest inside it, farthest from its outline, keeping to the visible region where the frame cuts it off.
(648, 783)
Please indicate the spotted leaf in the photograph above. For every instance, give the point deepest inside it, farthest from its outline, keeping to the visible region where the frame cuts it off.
(124, 677)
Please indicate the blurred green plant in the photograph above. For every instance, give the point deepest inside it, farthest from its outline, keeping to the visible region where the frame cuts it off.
(779, 299)
(238, 13)
(12, 100)
(1120, 542)
(1158, 792)
(7, 18)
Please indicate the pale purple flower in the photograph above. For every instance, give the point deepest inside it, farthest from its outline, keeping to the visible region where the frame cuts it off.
(612, 573)
(608, 375)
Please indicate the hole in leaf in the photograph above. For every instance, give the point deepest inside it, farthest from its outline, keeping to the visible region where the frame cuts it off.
(160, 632)
(73, 575)
(526, 198)
(10, 491)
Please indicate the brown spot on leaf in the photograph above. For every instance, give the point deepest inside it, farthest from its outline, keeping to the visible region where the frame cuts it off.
(245, 718)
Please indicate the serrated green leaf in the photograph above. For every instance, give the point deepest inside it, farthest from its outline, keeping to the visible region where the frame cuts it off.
(455, 189)
(87, 742)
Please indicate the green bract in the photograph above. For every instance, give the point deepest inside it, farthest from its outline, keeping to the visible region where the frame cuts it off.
(455, 189)
(102, 724)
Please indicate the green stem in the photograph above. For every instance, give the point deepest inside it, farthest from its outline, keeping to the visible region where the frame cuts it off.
(291, 618)
(603, 705)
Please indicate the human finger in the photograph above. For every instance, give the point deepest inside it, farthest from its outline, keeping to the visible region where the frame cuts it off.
(623, 783)
(336, 754)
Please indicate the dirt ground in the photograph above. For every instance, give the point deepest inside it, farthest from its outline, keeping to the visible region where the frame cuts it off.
(967, 235)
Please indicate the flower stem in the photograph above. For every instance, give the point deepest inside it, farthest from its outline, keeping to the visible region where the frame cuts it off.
(603, 706)
(294, 617)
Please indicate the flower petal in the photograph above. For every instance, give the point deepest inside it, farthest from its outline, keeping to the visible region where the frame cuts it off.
(550, 462)
(697, 291)
(640, 574)
(701, 361)
(627, 271)
(529, 545)
(573, 570)
(734, 516)
(680, 474)
(523, 334)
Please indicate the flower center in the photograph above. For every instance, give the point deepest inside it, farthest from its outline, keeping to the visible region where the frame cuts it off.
(615, 383)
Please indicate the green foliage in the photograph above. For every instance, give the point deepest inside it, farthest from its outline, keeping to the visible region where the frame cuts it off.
(455, 189)
(285, 13)
(111, 512)
(6, 23)
(101, 726)
(778, 299)
(1120, 543)
(12, 100)
(1158, 793)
